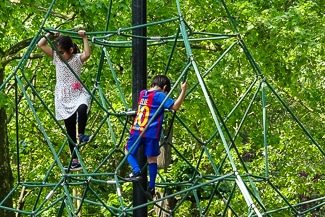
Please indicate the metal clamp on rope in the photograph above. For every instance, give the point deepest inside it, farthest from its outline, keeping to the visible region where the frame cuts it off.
(158, 38)
(106, 39)
(130, 113)
(169, 110)
(96, 84)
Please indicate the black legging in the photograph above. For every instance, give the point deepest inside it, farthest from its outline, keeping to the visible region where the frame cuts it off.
(70, 125)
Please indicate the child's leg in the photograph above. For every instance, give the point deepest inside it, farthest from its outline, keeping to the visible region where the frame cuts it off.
(70, 125)
(152, 151)
(133, 150)
(82, 118)
(134, 163)
(153, 169)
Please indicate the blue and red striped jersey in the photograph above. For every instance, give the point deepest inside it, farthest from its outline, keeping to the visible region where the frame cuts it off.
(148, 105)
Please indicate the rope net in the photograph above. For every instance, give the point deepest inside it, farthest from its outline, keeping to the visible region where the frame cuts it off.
(227, 152)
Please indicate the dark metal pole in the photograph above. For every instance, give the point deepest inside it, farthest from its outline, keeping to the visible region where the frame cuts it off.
(139, 82)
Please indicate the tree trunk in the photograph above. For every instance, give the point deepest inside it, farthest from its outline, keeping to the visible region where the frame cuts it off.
(5, 169)
(21, 200)
(164, 160)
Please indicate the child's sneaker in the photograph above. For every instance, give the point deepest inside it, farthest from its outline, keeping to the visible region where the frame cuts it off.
(75, 166)
(85, 138)
(150, 193)
(134, 177)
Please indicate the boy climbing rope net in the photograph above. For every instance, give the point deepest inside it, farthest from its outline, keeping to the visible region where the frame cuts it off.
(148, 104)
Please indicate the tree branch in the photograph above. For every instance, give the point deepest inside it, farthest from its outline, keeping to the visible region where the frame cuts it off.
(18, 46)
(55, 14)
(5, 60)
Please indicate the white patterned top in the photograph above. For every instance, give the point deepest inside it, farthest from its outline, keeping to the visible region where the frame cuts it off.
(69, 92)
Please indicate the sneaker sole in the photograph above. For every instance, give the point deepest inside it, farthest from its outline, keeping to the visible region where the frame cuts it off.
(76, 169)
(73, 169)
(90, 137)
(133, 178)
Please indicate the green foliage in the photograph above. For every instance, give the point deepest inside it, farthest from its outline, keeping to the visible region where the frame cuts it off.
(286, 39)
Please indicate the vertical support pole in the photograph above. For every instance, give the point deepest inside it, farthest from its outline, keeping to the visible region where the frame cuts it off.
(139, 82)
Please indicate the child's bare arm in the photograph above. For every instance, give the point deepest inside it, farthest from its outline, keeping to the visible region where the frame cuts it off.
(180, 98)
(42, 44)
(86, 54)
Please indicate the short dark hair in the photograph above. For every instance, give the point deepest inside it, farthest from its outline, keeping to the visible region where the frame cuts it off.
(161, 81)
